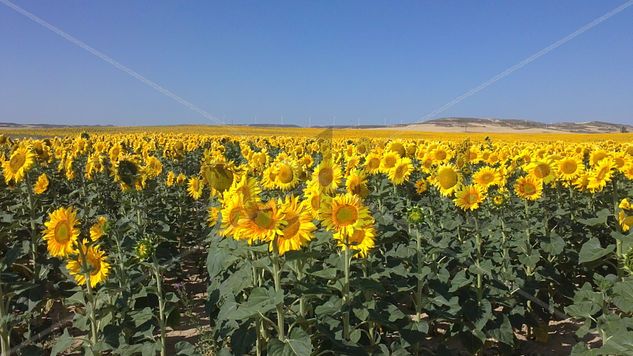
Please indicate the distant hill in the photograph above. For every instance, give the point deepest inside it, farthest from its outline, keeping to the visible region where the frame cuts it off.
(469, 124)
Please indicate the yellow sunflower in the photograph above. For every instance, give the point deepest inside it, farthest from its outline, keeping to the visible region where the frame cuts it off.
(486, 177)
(388, 161)
(372, 163)
(98, 229)
(469, 197)
(344, 214)
(356, 183)
(528, 187)
(327, 175)
(212, 217)
(41, 184)
(261, 222)
(421, 186)
(61, 232)
(171, 179)
(298, 229)
(195, 187)
(286, 175)
(600, 175)
(232, 211)
(362, 239)
(542, 170)
(401, 171)
(569, 168)
(97, 266)
(18, 164)
(247, 187)
(447, 179)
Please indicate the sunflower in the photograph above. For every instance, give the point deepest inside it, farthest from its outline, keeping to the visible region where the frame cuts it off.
(372, 163)
(361, 239)
(447, 179)
(314, 199)
(126, 172)
(388, 161)
(401, 171)
(195, 187)
(356, 183)
(218, 176)
(181, 178)
(298, 229)
(98, 229)
(95, 261)
(171, 179)
(345, 213)
(232, 211)
(542, 170)
(327, 175)
(569, 168)
(41, 184)
(153, 167)
(421, 186)
(261, 222)
(286, 175)
(19, 163)
(61, 232)
(486, 177)
(212, 217)
(528, 187)
(469, 197)
(247, 187)
(600, 175)
(625, 217)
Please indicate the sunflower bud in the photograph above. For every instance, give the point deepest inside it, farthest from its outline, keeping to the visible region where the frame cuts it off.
(144, 249)
(416, 215)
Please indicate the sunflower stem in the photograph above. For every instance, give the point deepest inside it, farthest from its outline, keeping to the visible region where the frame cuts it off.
(161, 307)
(280, 306)
(4, 330)
(479, 274)
(418, 295)
(90, 298)
(346, 265)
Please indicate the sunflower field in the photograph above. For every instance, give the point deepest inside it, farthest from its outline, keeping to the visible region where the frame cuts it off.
(302, 244)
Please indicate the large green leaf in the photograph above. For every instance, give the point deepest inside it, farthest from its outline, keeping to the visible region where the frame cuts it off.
(592, 251)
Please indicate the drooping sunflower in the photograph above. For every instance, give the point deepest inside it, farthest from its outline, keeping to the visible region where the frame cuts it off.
(195, 188)
(97, 265)
(344, 213)
(528, 187)
(261, 222)
(625, 215)
(362, 239)
(469, 197)
(327, 175)
(61, 232)
(20, 161)
(401, 171)
(298, 229)
(41, 184)
(98, 229)
(447, 179)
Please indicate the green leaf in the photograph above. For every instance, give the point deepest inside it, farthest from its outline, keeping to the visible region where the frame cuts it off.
(62, 344)
(592, 251)
(297, 344)
(623, 298)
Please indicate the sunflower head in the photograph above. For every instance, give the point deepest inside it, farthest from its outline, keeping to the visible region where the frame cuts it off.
(89, 263)
(416, 215)
(61, 232)
(218, 176)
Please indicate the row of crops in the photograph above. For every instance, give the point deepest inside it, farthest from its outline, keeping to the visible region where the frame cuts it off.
(313, 245)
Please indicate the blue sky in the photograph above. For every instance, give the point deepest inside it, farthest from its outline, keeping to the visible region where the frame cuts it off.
(367, 62)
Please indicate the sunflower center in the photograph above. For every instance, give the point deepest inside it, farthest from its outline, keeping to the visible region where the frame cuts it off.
(448, 179)
(568, 167)
(390, 161)
(472, 198)
(374, 163)
(17, 161)
(62, 232)
(285, 174)
(400, 171)
(326, 175)
(292, 228)
(487, 177)
(542, 171)
(264, 220)
(440, 155)
(346, 215)
(357, 237)
(529, 189)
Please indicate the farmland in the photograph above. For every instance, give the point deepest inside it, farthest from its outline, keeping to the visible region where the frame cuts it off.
(292, 241)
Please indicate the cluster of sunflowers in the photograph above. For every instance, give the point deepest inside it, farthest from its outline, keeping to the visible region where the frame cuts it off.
(282, 191)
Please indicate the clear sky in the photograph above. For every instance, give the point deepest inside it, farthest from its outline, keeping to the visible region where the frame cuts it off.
(366, 62)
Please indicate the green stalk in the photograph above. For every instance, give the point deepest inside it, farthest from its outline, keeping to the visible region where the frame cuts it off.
(280, 306)
(4, 330)
(346, 298)
(418, 295)
(94, 336)
(478, 261)
(161, 308)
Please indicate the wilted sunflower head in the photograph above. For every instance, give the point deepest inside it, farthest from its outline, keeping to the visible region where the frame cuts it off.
(218, 176)
(128, 171)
